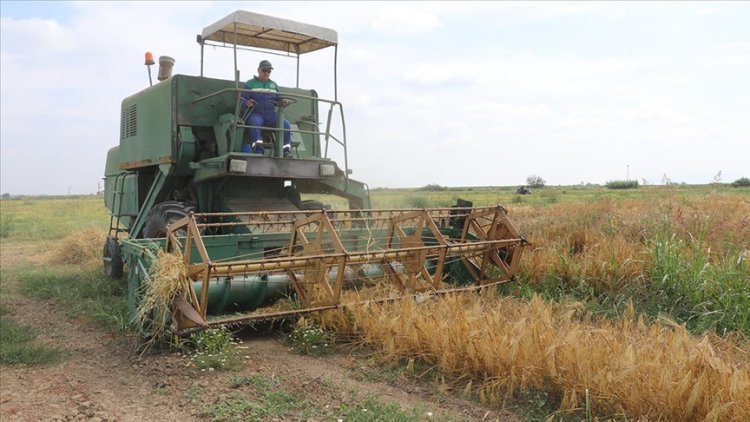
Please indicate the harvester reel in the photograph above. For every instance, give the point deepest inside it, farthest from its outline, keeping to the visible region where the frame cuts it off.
(415, 275)
(490, 225)
(324, 252)
(315, 272)
(414, 260)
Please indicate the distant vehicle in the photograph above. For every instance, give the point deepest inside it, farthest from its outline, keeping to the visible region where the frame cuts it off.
(523, 190)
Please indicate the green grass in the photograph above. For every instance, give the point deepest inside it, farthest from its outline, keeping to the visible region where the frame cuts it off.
(17, 345)
(7, 225)
(272, 403)
(49, 218)
(258, 381)
(268, 405)
(372, 409)
(81, 292)
(690, 286)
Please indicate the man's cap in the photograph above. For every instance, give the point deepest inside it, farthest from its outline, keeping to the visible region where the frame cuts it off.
(265, 64)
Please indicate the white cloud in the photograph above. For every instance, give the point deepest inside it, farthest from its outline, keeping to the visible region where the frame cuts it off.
(38, 36)
(404, 21)
(519, 97)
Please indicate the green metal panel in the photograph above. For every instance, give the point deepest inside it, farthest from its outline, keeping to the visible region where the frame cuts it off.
(126, 203)
(146, 127)
(194, 106)
(304, 116)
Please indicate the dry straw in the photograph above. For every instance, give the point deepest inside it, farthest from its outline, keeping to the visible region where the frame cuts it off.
(168, 278)
(657, 371)
(605, 242)
(79, 248)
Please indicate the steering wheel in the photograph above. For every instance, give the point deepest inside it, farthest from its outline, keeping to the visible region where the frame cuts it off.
(282, 101)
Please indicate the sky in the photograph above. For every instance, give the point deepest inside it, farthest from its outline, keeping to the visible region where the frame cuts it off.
(447, 93)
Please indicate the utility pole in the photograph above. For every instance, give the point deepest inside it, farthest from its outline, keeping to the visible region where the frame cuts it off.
(627, 174)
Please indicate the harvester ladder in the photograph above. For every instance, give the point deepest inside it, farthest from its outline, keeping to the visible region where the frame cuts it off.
(117, 198)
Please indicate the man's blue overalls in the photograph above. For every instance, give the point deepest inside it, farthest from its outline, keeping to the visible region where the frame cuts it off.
(265, 95)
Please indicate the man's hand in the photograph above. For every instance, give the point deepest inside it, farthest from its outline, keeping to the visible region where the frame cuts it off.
(250, 103)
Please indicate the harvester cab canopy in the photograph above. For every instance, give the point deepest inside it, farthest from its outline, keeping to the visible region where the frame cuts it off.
(256, 31)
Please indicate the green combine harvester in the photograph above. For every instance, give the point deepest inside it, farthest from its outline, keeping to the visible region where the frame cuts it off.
(179, 182)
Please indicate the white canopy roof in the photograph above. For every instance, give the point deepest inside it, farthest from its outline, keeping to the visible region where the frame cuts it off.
(256, 30)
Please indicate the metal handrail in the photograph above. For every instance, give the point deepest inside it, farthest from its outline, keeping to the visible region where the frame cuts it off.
(327, 134)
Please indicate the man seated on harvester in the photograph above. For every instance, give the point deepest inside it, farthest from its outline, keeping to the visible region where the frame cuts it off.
(260, 101)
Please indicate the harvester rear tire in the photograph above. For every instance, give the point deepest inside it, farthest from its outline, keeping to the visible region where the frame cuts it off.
(164, 214)
(112, 258)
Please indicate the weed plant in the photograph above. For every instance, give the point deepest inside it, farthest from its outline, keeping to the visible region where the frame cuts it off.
(705, 293)
(308, 338)
(212, 349)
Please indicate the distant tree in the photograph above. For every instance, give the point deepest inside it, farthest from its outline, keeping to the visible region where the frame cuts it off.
(742, 181)
(433, 188)
(535, 181)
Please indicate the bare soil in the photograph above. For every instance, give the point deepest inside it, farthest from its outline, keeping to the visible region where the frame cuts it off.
(103, 377)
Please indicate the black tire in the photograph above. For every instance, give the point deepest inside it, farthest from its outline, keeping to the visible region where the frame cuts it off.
(164, 214)
(312, 204)
(112, 258)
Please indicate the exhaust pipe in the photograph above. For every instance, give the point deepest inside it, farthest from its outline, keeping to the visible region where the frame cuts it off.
(166, 64)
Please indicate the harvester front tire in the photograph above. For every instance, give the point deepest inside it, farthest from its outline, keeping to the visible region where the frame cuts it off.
(312, 204)
(112, 258)
(164, 214)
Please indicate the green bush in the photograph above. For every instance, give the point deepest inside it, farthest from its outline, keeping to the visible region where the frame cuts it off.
(741, 182)
(622, 184)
